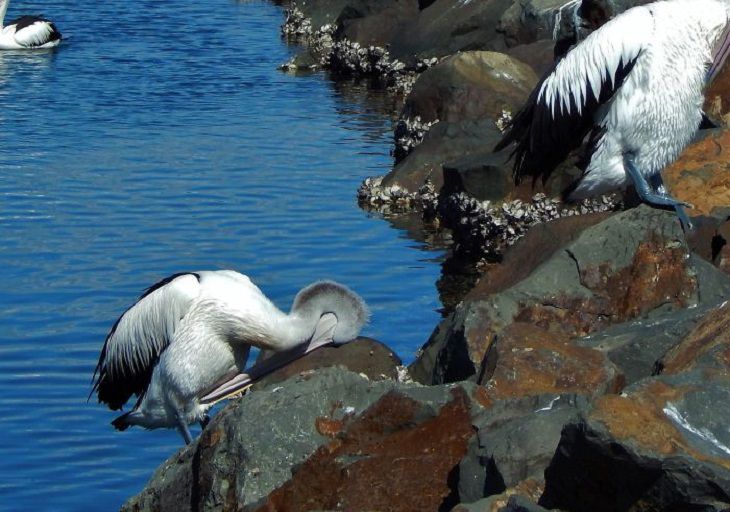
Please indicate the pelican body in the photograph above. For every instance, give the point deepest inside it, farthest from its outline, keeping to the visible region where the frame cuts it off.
(191, 333)
(27, 32)
(635, 88)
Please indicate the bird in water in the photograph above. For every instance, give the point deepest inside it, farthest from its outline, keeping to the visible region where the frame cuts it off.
(185, 343)
(27, 32)
(635, 89)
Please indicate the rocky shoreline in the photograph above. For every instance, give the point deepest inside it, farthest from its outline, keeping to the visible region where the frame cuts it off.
(586, 368)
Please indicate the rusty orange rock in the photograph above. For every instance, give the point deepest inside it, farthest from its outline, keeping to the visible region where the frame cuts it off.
(708, 344)
(701, 176)
(526, 360)
(385, 459)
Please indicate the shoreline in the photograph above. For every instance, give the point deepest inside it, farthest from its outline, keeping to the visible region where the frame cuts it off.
(579, 369)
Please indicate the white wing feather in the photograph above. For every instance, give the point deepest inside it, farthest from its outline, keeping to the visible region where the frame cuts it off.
(596, 60)
(146, 329)
(37, 34)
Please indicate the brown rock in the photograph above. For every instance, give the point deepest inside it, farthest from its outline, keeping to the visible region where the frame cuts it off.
(706, 346)
(363, 355)
(525, 360)
(701, 176)
(626, 266)
(384, 460)
(662, 446)
(470, 85)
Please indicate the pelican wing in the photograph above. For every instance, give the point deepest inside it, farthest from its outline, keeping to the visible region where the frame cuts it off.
(562, 109)
(139, 336)
(32, 31)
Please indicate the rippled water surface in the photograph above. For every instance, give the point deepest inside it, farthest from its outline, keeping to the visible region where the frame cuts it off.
(159, 138)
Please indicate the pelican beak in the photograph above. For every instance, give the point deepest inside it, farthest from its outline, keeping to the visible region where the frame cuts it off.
(719, 55)
(236, 384)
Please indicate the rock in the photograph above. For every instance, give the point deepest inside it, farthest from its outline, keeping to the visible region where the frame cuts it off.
(525, 360)
(515, 441)
(521, 498)
(446, 27)
(374, 22)
(527, 21)
(701, 176)
(395, 456)
(707, 346)
(661, 446)
(271, 446)
(470, 86)
(537, 55)
(444, 142)
(365, 356)
(635, 347)
(632, 264)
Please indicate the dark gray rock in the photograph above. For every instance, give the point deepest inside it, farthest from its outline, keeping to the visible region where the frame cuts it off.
(636, 346)
(256, 443)
(660, 446)
(515, 442)
(444, 142)
(446, 27)
(607, 275)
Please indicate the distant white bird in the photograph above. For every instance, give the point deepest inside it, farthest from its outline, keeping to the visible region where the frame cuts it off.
(635, 87)
(27, 32)
(185, 342)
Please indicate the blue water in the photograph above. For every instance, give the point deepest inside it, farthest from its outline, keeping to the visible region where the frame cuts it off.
(160, 138)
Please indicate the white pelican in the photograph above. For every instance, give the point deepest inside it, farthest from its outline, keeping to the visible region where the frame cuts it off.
(27, 32)
(185, 342)
(636, 86)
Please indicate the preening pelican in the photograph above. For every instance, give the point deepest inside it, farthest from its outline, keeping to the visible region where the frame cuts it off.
(185, 343)
(635, 88)
(27, 32)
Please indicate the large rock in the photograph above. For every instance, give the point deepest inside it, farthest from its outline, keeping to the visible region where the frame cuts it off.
(375, 22)
(297, 441)
(636, 347)
(664, 445)
(515, 441)
(707, 346)
(525, 360)
(444, 142)
(633, 264)
(363, 355)
(446, 27)
(469, 86)
(701, 176)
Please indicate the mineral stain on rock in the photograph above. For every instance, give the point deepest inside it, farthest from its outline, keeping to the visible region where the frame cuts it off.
(389, 458)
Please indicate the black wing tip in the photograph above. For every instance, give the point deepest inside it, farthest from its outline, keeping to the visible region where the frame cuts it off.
(120, 423)
(166, 281)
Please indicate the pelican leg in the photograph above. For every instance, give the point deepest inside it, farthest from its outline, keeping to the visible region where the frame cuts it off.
(655, 193)
(182, 427)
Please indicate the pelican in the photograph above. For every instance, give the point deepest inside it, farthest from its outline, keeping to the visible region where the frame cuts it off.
(635, 87)
(185, 343)
(27, 32)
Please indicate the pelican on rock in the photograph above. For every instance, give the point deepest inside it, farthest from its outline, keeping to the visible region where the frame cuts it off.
(635, 89)
(185, 343)
(27, 32)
